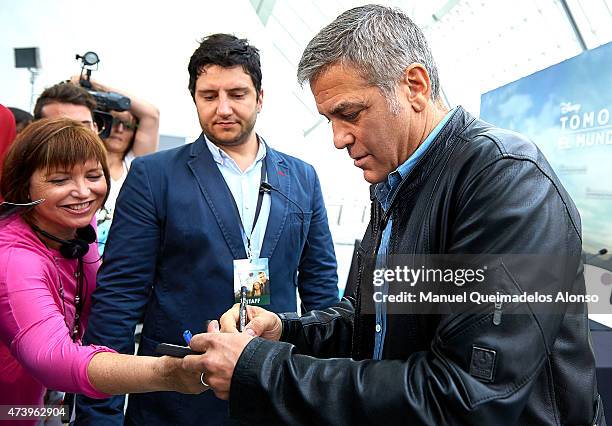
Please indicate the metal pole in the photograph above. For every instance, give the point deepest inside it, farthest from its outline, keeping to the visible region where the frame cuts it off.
(570, 18)
(33, 75)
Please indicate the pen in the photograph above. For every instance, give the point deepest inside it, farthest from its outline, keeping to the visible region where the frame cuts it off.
(187, 336)
(242, 315)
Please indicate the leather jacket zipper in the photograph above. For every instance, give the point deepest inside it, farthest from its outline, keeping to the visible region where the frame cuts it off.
(459, 321)
(497, 313)
(356, 327)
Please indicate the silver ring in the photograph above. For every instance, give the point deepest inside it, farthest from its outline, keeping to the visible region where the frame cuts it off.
(202, 379)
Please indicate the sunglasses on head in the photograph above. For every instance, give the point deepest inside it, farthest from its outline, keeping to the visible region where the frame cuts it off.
(126, 124)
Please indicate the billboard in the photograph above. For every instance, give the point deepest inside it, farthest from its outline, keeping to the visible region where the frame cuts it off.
(565, 109)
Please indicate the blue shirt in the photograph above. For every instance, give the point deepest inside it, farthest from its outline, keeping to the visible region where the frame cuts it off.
(244, 187)
(385, 192)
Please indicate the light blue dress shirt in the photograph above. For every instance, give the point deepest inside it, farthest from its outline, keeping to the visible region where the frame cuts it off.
(244, 187)
(385, 192)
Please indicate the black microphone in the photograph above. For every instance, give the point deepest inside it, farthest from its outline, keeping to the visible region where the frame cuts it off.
(266, 188)
(601, 252)
(7, 208)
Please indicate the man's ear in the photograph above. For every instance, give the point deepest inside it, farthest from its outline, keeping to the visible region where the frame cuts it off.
(260, 101)
(416, 86)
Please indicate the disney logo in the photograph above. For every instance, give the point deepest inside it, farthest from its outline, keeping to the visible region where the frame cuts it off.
(568, 107)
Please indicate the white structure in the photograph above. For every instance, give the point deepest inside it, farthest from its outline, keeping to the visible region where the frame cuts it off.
(145, 46)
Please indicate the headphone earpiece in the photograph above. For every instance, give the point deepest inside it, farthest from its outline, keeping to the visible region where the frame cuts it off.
(75, 248)
(87, 234)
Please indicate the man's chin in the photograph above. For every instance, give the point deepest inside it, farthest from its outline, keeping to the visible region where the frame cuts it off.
(372, 177)
(226, 140)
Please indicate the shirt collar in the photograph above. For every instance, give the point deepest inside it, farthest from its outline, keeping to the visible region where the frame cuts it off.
(385, 190)
(223, 159)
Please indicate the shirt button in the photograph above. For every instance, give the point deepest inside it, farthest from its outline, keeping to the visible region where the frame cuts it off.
(378, 328)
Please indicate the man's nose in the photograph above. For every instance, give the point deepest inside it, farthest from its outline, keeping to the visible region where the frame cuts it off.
(224, 108)
(342, 137)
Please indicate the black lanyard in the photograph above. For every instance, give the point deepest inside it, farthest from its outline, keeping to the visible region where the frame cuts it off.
(257, 209)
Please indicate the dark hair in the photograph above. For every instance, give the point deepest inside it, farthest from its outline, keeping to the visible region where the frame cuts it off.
(131, 145)
(47, 144)
(226, 51)
(22, 118)
(65, 93)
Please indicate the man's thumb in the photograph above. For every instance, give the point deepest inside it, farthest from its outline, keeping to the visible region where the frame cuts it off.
(254, 327)
(213, 327)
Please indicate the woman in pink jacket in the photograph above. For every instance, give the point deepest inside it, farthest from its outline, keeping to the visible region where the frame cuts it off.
(48, 264)
(7, 134)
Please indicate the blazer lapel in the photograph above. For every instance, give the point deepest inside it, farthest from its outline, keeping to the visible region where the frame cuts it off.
(217, 195)
(278, 177)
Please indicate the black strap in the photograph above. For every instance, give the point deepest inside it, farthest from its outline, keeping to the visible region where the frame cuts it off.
(79, 301)
(259, 195)
(257, 209)
(68, 404)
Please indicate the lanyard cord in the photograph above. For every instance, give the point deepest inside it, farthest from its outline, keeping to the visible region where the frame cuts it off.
(257, 209)
(78, 298)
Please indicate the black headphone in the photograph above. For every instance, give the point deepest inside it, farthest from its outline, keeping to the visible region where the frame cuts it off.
(75, 248)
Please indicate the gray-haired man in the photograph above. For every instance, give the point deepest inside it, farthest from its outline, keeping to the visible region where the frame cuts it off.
(445, 183)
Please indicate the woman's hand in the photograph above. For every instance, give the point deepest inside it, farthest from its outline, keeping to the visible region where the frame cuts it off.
(116, 374)
(178, 379)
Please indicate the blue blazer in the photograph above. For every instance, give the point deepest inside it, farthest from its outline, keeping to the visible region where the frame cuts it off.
(168, 263)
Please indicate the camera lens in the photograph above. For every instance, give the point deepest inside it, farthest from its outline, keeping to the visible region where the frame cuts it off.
(90, 58)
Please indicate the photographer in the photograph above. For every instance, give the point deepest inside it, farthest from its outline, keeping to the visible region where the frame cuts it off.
(67, 101)
(133, 133)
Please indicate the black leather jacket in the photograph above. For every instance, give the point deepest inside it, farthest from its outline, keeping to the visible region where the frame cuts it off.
(477, 189)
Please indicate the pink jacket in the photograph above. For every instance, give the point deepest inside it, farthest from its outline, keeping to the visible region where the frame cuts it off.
(36, 351)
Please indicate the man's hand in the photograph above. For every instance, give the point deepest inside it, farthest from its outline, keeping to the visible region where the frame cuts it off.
(221, 353)
(75, 79)
(261, 323)
(222, 348)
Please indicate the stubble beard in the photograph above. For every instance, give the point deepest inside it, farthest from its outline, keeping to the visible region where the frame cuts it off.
(240, 139)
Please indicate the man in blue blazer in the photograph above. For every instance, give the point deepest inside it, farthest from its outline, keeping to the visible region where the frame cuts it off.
(183, 219)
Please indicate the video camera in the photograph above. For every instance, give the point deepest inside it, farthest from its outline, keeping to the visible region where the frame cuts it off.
(105, 101)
